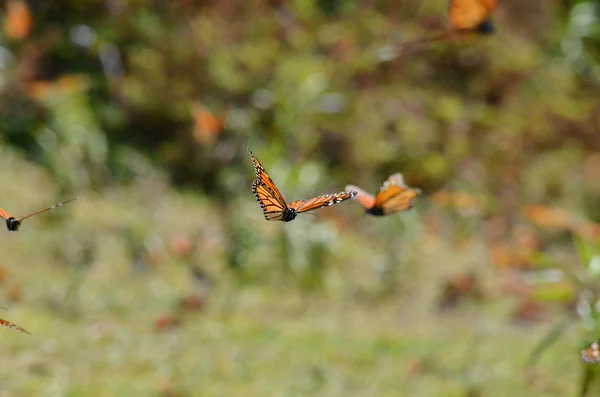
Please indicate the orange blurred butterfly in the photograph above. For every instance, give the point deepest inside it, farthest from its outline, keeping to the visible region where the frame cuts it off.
(12, 326)
(591, 354)
(207, 126)
(471, 15)
(17, 21)
(274, 205)
(393, 196)
(13, 224)
(464, 17)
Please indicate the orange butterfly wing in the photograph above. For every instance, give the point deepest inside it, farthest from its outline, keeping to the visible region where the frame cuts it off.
(5, 215)
(321, 201)
(268, 196)
(12, 326)
(365, 199)
(469, 14)
(395, 195)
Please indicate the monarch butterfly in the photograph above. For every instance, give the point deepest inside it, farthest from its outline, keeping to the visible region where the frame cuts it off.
(274, 205)
(591, 354)
(13, 224)
(12, 326)
(471, 15)
(464, 17)
(393, 196)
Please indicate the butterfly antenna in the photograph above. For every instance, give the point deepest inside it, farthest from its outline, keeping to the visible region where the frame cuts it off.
(49, 208)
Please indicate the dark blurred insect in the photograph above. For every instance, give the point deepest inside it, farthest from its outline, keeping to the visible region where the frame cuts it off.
(192, 303)
(12, 326)
(393, 196)
(13, 223)
(460, 288)
(166, 321)
(274, 205)
(528, 311)
(591, 354)
(465, 17)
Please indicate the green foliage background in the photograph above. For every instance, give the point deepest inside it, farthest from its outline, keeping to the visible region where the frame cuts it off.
(101, 99)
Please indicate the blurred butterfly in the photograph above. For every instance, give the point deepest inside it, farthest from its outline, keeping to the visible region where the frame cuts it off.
(17, 21)
(274, 205)
(393, 196)
(471, 15)
(13, 223)
(207, 126)
(12, 326)
(591, 354)
(465, 17)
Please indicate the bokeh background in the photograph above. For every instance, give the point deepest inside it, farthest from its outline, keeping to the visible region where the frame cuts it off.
(165, 279)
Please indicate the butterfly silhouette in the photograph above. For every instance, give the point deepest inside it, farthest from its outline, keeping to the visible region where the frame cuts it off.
(393, 196)
(591, 354)
(13, 224)
(12, 326)
(274, 206)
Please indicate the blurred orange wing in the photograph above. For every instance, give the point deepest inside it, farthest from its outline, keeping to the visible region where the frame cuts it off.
(12, 326)
(321, 201)
(468, 14)
(395, 196)
(207, 125)
(268, 196)
(5, 215)
(365, 199)
(17, 21)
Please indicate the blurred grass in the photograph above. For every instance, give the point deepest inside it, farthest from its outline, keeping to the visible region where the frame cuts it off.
(100, 338)
(146, 109)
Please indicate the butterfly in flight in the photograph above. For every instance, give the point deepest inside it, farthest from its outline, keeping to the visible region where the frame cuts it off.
(591, 354)
(12, 326)
(274, 206)
(471, 15)
(208, 126)
(393, 196)
(13, 224)
(465, 17)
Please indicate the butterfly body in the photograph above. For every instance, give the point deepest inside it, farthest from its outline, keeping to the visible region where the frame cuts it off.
(274, 206)
(288, 215)
(486, 27)
(375, 211)
(13, 224)
(393, 196)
